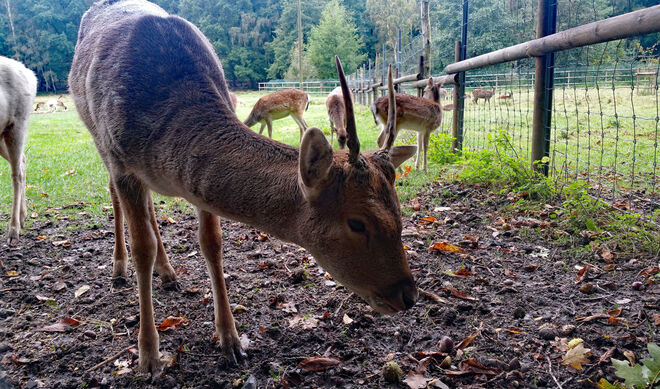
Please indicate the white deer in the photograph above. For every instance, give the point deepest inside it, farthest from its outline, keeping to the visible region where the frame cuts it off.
(17, 92)
(152, 93)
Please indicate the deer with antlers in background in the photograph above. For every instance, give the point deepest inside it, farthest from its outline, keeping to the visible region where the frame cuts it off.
(159, 111)
(278, 105)
(422, 115)
(337, 115)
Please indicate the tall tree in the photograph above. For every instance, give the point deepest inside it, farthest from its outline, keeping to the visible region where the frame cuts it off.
(336, 34)
(388, 16)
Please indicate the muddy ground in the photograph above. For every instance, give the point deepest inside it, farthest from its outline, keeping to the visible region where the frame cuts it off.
(514, 290)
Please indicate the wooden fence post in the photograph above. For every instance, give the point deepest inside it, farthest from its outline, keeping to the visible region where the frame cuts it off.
(543, 84)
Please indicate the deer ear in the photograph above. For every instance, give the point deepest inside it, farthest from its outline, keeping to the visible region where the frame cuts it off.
(314, 162)
(399, 154)
(431, 82)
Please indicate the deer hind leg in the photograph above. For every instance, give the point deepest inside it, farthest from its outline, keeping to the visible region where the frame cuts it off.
(162, 267)
(261, 130)
(210, 241)
(135, 198)
(302, 125)
(420, 143)
(427, 136)
(120, 254)
(270, 128)
(11, 148)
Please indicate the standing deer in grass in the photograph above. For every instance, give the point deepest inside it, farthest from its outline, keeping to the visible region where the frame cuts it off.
(151, 91)
(18, 88)
(506, 97)
(482, 94)
(422, 115)
(337, 115)
(278, 105)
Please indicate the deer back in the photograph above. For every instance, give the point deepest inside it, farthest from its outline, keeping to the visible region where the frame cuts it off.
(410, 110)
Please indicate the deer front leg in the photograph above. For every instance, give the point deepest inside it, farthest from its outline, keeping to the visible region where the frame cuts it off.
(163, 267)
(420, 143)
(134, 199)
(332, 131)
(261, 130)
(210, 241)
(11, 148)
(300, 122)
(120, 254)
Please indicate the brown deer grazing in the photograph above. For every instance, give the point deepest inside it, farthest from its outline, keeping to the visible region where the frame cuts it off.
(482, 94)
(278, 105)
(17, 91)
(506, 97)
(151, 91)
(337, 115)
(422, 115)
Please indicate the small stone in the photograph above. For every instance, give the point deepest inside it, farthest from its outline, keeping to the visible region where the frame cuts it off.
(587, 288)
(298, 275)
(519, 313)
(637, 285)
(250, 383)
(90, 334)
(4, 347)
(514, 364)
(507, 282)
(567, 329)
(392, 371)
(547, 333)
(86, 255)
(412, 254)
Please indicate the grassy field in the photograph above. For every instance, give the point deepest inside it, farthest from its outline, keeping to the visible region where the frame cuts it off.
(66, 178)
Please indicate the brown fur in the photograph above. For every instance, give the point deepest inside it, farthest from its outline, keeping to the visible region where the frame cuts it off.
(278, 105)
(485, 94)
(162, 120)
(337, 115)
(508, 96)
(234, 100)
(413, 113)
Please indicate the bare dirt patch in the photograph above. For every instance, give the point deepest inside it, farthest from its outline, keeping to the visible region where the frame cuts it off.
(509, 285)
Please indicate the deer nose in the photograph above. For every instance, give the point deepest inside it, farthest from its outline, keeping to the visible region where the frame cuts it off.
(404, 293)
(341, 139)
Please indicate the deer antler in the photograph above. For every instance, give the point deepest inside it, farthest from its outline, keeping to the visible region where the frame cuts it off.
(352, 142)
(390, 126)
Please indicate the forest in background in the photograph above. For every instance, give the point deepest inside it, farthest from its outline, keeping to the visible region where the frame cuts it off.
(256, 39)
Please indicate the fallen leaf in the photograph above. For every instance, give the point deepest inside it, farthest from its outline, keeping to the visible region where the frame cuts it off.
(289, 307)
(64, 325)
(463, 272)
(581, 275)
(576, 356)
(347, 320)
(318, 363)
(416, 381)
(68, 172)
(172, 323)
(607, 255)
(169, 220)
(471, 365)
(81, 291)
(656, 319)
(34, 215)
(457, 293)
(615, 312)
(467, 341)
(11, 273)
(607, 355)
(45, 298)
(428, 220)
(307, 323)
(63, 243)
(44, 194)
(446, 247)
(510, 274)
(42, 237)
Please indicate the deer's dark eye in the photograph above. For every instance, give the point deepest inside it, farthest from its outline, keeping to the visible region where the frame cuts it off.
(356, 225)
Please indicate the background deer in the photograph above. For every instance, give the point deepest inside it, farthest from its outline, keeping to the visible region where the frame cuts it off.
(337, 115)
(17, 91)
(483, 94)
(506, 97)
(278, 105)
(422, 115)
(341, 206)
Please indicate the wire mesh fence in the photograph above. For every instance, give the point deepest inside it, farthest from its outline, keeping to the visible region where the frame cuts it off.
(605, 102)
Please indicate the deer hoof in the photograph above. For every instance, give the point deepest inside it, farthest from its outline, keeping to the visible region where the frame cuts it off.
(171, 286)
(234, 353)
(153, 366)
(12, 237)
(119, 282)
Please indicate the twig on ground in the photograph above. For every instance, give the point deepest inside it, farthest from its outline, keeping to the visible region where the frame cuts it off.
(342, 303)
(432, 296)
(550, 372)
(112, 358)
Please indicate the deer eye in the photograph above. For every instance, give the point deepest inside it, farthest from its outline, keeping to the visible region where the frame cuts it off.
(356, 226)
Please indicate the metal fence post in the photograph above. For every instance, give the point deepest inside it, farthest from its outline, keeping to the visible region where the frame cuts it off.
(460, 52)
(543, 84)
(398, 61)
